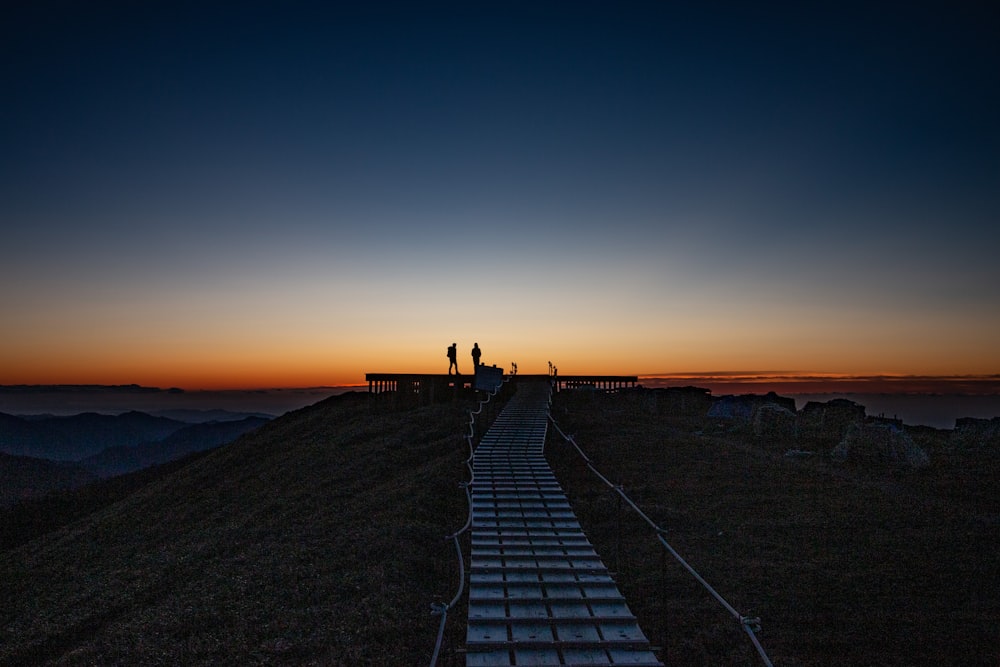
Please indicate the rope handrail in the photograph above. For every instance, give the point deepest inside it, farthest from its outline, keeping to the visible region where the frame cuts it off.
(438, 608)
(747, 623)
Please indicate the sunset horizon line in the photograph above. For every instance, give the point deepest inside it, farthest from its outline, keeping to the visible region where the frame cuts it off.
(798, 381)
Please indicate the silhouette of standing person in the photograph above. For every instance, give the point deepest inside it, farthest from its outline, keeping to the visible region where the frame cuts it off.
(453, 358)
(476, 353)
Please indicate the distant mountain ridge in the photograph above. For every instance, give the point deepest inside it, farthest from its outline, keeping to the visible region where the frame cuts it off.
(202, 416)
(46, 453)
(194, 438)
(66, 400)
(77, 437)
(85, 435)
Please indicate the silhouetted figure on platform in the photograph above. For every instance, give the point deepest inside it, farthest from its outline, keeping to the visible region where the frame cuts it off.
(453, 358)
(476, 354)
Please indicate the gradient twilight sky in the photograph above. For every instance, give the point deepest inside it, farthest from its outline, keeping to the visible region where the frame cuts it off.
(223, 195)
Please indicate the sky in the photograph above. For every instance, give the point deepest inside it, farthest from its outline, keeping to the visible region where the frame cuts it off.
(287, 194)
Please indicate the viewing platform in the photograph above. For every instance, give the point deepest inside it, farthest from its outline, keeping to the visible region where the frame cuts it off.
(427, 385)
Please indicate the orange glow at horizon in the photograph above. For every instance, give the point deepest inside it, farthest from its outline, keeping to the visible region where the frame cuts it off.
(328, 367)
(267, 221)
(281, 339)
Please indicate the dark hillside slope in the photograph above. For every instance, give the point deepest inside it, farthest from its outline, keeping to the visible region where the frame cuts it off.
(31, 518)
(194, 438)
(316, 539)
(25, 477)
(844, 564)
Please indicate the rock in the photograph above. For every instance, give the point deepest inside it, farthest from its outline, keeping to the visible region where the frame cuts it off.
(880, 443)
(973, 433)
(775, 422)
(829, 421)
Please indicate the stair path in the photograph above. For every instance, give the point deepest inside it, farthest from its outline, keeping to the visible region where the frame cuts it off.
(538, 594)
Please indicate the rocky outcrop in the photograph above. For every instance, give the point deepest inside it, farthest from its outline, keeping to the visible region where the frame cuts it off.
(744, 407)
(828, 422)
(680, 401)
(973, 433)
(775, 422)
(880, 443)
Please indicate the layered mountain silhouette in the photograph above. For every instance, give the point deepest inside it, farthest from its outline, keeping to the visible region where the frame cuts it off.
(77, 437)
(194, 438)
(46, 453)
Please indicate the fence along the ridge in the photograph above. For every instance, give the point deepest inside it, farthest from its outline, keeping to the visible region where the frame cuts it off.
(749, 625)
(441, 609)
(539, 594)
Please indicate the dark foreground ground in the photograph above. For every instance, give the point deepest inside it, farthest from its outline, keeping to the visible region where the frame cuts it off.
(844, 564)
(319, 540)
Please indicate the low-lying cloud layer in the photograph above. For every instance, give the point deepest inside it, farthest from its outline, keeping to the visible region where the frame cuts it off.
(74, 399)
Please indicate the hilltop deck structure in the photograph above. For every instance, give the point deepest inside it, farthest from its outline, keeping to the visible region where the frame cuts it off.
(427, 385)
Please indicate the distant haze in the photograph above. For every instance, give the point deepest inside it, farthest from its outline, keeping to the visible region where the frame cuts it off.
(936, 402)
(69, 400)
(789, 383)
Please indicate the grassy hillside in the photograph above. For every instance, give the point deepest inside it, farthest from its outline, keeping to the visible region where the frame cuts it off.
(24, 477)
(30, 518)
(317, 539)
(854, 565)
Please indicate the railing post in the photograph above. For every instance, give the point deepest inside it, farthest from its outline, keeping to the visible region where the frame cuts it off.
(618, 534)
(664, 604)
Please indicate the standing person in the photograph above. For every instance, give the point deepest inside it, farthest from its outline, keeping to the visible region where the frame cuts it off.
(476, 353)
(453, 358)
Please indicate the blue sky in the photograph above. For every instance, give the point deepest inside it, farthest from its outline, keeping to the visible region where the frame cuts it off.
(191, 191)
